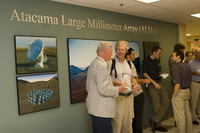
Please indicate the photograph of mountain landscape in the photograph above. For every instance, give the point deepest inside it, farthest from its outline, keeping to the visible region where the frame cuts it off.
(37, 92)
(35, 54)
(81, 52)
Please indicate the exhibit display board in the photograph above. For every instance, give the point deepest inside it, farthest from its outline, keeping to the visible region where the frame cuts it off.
(44, 18)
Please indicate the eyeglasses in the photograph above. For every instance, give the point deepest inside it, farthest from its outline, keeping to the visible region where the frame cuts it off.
(120, 49)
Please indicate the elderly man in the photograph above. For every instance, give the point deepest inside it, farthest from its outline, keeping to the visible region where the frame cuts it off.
(181, 95)
(123, 73)
(194, 65)
(100, 100)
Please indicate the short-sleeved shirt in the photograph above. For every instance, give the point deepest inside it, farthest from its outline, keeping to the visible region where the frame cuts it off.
(194, 65)
(136, 93)
(181, 75)
(124, 73)
(150, 67)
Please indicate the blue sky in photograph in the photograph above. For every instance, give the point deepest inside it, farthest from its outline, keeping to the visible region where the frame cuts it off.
(24, 41)
(82, 52)
(37, 78)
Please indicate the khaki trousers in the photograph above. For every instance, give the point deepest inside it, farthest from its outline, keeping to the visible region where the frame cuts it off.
(198, 108)
(195, 92)
(122, 123)
(181, 110)
(160, 102)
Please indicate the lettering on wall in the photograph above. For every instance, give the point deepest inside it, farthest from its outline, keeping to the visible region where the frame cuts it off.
(100, 24)
(33, 18)
(79, 24)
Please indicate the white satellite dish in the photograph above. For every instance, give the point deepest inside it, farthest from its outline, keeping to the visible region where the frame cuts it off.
(35, 52)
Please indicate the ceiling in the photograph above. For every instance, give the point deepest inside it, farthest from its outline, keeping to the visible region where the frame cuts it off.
(174, 11)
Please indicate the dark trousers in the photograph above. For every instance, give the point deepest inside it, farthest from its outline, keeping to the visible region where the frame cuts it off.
(101, 125)
(138, 110)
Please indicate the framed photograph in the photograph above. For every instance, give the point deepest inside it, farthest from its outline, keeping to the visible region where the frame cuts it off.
(35, 54)
(37, 92)
(81, 52)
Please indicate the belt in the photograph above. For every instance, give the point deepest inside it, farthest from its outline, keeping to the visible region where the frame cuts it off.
(127, 94)
(184, 87)
(196, 81)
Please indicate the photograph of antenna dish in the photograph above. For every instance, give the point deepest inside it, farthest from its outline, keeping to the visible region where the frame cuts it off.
(35, 54)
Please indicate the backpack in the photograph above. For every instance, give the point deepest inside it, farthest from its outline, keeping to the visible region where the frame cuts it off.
(113, 66)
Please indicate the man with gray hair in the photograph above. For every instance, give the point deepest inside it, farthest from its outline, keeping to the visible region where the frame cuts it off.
(123, 74)
(100, 100)
(194, 65)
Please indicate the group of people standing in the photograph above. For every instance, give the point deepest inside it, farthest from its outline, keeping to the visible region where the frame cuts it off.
(185, 99)
(115, 98)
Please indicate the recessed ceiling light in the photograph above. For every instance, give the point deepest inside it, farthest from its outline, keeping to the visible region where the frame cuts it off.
(188, 34)
(148, 1)
(196, 15)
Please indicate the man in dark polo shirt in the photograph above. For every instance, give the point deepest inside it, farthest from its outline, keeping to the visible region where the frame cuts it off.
(181, 95)
(158, 93)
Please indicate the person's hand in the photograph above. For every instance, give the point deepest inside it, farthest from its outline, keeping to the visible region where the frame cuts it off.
(121, 83)
(157, 86)
(197, 73)
(174, 95)
(136, 87)
(147, 81)
(124, 84)
(122, 88)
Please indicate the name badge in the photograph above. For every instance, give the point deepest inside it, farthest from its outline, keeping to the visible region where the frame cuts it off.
(124, 75)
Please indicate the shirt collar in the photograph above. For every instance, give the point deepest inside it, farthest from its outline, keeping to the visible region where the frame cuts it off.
(151, 59)
(119, 60)
(102, 60)
(179, 62)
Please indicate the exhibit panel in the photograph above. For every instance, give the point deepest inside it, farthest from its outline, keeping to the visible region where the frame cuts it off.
(45, 19)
